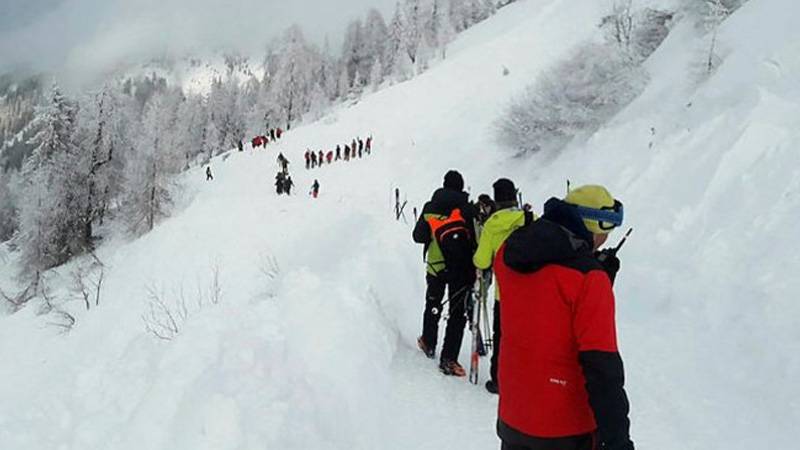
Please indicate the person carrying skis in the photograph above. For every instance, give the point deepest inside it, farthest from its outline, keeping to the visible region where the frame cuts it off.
(209, 177)
(446, 229)
(504, 219)
(315, 189)
(284, 163)
(288, 184)
(279, 183)
(561, 376)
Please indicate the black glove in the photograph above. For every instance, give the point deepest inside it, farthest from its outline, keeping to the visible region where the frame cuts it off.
(608, 259)
(625, 445)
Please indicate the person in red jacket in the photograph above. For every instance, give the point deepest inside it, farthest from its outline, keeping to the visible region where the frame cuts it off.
(329, 157)
(563, 380)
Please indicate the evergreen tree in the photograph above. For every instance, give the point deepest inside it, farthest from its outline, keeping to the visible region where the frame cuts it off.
(149, 175)
(50, 231)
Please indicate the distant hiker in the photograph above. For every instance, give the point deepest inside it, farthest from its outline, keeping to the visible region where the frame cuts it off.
(308, 158)
(329, 157)
(288, 184)
(360, 151)
(347, 153)
(279, 182)
(278, 133)
(240, 145)
(368, 145)
(209, 176)
(561, 376)
(313, 159)
(503, 217)
(338, 152)
(272, 133)
(446, 228)
(360, 145)
(284, 163)
(315, 189)
(321, 158)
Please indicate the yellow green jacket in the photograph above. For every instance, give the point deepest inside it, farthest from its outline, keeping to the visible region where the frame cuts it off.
(496, 230)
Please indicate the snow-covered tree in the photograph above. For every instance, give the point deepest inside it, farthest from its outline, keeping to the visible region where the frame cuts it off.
(292, 81)
(412, 28)
(438, 27)
(354, 51)
(397, 64)
(51, 229)
(9, 204)
(56, 124)
(150, 171)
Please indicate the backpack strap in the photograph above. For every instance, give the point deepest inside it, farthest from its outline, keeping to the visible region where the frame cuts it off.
(528, 217)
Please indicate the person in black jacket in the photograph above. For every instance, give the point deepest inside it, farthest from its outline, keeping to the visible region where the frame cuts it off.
(455, 276)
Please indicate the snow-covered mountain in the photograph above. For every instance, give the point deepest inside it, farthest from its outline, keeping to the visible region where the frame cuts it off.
(297, 318)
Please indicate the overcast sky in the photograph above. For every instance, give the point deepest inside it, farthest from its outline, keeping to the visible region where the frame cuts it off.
(81, 38)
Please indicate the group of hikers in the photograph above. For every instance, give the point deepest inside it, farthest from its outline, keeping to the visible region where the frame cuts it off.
(273, 134)
(559, 375)
(284, 183)
(355, 149)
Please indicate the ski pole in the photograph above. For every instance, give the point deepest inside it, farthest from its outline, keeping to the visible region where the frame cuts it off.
(603, 255)
(622, 242)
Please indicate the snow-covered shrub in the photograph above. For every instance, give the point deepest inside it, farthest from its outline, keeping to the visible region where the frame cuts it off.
(576, 96)
(637, 32)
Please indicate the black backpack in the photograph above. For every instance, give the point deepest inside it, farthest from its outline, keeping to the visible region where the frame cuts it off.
(455, 241)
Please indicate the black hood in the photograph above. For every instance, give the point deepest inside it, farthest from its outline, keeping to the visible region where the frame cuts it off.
(558, 237)
(444, 200)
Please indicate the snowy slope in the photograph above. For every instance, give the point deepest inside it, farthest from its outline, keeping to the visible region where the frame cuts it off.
(321, 354)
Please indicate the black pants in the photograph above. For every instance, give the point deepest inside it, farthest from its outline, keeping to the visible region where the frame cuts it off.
(577, 443)
(496, 334)
(459, 288)
(515, 440)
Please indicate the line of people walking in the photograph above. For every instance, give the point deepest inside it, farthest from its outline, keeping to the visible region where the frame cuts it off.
(357, 148)
(559, 375)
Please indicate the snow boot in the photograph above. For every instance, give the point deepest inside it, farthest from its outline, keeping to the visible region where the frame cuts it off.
(452, 368)
(429, 352)
(492, 387)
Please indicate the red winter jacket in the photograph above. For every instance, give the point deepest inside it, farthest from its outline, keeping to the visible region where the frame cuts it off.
(559, 372)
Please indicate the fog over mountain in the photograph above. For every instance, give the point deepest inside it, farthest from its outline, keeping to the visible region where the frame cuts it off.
(82, 39)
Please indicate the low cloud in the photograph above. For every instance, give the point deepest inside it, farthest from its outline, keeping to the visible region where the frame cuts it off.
(81, 39)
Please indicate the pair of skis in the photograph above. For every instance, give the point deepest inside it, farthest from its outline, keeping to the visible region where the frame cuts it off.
(479, 312)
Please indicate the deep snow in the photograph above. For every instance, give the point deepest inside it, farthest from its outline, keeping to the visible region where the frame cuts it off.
(322, 354)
